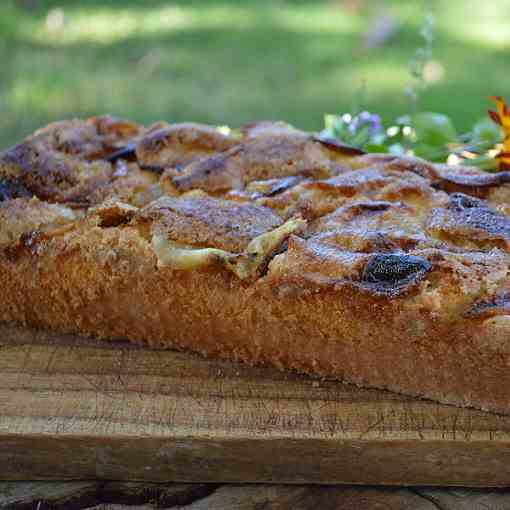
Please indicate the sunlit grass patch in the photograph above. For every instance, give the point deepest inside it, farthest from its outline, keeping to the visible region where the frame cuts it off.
(474, 21)
(234, 61)
(108, 24)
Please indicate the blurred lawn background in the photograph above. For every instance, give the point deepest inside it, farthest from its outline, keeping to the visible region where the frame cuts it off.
(234, 61)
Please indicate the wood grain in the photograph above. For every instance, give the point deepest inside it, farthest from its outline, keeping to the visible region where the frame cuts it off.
(90, 494)
(79, 409)
(150, 496)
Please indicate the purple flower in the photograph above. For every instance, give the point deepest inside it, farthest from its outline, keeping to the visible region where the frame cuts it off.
(372, 120)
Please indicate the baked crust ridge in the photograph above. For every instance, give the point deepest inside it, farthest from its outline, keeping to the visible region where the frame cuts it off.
(285, 251)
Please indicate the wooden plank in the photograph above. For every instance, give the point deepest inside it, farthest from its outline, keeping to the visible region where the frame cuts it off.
(80, 409)
(94, 496)
(18, 495)
(466, 499)
(90, 494)
(147, 496)
(310, 498)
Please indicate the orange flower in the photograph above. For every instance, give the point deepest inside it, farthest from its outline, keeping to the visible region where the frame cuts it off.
(502, 117)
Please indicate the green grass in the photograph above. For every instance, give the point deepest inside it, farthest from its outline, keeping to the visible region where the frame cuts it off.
(231, 62)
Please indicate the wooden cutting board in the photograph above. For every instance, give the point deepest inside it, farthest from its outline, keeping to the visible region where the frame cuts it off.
(81, 409)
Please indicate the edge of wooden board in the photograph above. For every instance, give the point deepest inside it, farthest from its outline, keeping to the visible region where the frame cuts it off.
(315, 461)
(78, 409)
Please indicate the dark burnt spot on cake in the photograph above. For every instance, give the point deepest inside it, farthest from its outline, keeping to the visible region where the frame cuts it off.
(477, 214)
(283, 185)
(127, 153)
(153, 168)
(361, 209)
(460, 202)
(26, 246)
(391, 274)
(339, 147)
(11, 189)
(272, 187)
(374, 206)
(484, 309)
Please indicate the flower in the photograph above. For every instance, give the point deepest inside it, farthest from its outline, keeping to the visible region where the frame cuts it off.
(371, 120)
(502, 117)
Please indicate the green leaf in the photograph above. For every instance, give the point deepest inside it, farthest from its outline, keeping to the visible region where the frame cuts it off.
(361, 137)
(432, 152)
(484, 162)
(330, 121)
(434, 129)
(487, 131)
(375, 147)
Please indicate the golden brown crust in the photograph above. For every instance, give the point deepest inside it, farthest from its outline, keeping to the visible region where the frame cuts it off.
(397, 259)
(94, 138)
(280, 155)
(209, 222)
(178, 144)
(20, 216)
(53, 176)
(267, 128)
